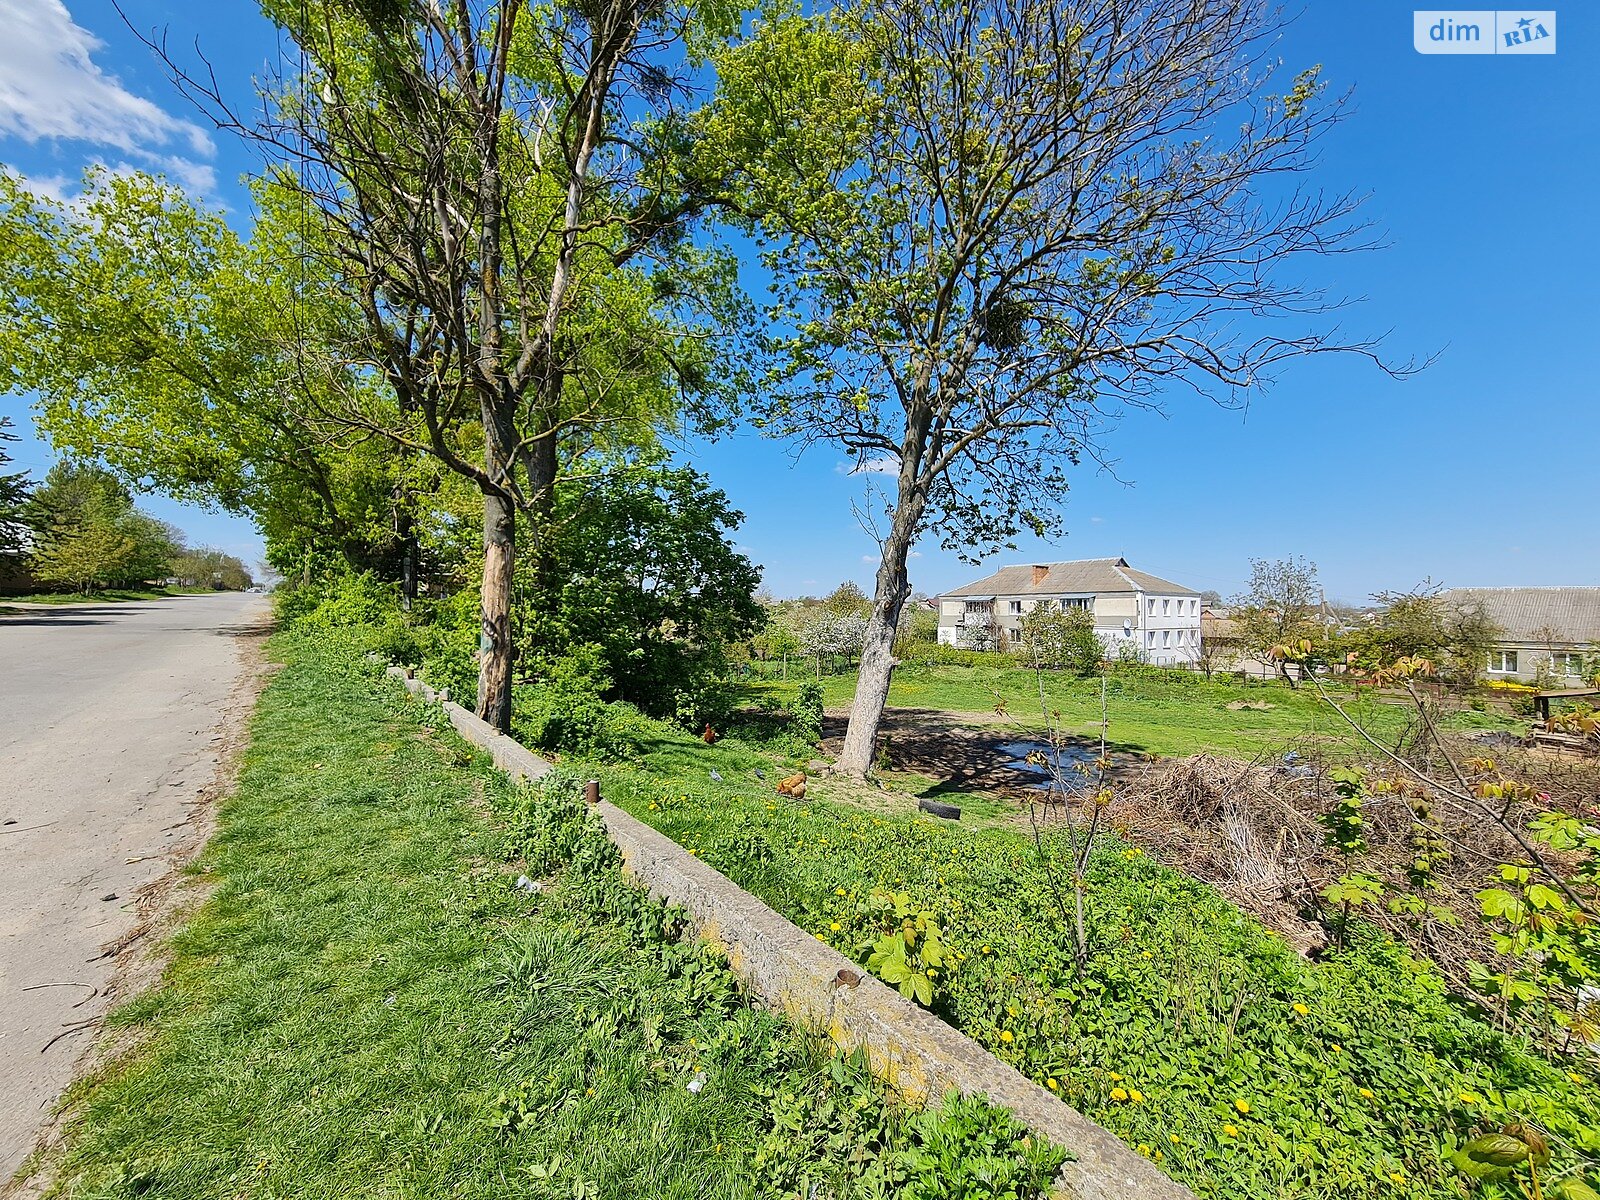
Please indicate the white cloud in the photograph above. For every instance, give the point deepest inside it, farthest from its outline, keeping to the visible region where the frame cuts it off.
(869, 558)
(1096, 520)
(883, 464)
(916, 554)
(52, 90)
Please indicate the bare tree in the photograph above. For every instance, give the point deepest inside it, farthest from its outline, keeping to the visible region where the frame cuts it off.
(994, 225)
(474, 176)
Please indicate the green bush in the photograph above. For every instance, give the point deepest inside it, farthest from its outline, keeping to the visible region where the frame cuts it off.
(566, 710)
(805, 711)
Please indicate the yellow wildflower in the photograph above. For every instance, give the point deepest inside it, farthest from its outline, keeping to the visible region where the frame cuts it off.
(1052, 1085)
(1118, 1094)
(1242, 1105)
(1301, 1009)
(1144, 1149)
(1174, 1139)
(1471, 1098)
(1231, 1130)
(1396, 1177)
(1136, 1096)
(1364, 1093)
(1005, 1036)
(836, 926)
(838, 891)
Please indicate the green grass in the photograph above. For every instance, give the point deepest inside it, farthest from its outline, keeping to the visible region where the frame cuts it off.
(1168, 713)
(1188, 1007)
(110, 596)
(366, 1005)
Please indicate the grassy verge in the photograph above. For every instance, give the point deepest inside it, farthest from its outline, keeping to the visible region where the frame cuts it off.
(368, 1004)
(112, 596)
(1166, 713)
(1195, 1033)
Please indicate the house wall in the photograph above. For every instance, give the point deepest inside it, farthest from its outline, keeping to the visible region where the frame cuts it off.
(1531, 654)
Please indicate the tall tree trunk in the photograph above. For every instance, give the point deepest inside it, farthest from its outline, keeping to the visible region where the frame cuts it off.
(494, 642)
(877, 651)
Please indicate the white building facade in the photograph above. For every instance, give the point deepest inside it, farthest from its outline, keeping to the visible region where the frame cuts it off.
(1136, 614)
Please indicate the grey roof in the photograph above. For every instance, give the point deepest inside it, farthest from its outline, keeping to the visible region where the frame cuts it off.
(1525, 613)
(1088, 575)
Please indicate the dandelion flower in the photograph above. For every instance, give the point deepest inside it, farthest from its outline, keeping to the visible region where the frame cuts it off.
(1364, 1093)
(1231, 1130)
(1396, 1177)
(1144, 1149)
(1005, 1036)
(1052, 1085)
(838, 891)
(1118, 1094)
(836, 926)
(1301, 1009)
(1115, 1078)
(1136, 1096)
(1471, 1098)
(1242, 1105)
(1175, 1139)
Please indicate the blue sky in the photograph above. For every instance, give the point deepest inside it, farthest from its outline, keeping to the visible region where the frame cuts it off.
(1481, 172)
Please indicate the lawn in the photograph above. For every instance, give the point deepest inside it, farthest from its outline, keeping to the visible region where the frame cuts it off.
(1195, 1034)
(1154, 712)
(369, 1003)
(110, 596)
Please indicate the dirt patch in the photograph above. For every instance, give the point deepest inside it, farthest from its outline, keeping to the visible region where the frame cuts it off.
(161, 906)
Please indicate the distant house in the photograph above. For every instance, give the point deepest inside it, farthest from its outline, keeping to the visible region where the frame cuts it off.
(1544, 630)
(1135, 613)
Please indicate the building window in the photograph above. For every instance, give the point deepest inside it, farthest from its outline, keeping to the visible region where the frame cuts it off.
(1194, 607)
(1082, 602)
(1150, 637)
(1016, 607)
(1570, 665)
(1152, 607)
(1166, 608)
(1166, 639)
(1502, 662)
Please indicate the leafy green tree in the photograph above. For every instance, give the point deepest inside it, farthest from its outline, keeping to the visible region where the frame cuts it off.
(991, 225)
(86, 554)
(187, 360)
(488, 185)
(206, 566)
(647, 573)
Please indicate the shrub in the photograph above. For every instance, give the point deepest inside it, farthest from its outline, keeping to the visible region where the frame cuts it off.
(805, 710)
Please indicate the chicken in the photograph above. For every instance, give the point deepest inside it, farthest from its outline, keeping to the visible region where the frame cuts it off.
(710, 736)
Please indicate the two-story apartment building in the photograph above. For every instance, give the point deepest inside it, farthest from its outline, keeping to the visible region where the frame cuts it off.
(1134, 612)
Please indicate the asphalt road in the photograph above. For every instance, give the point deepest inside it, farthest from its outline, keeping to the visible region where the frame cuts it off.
(110, 727)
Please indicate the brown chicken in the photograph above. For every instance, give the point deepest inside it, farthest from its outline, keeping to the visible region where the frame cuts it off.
(710, 736)
(793, 785)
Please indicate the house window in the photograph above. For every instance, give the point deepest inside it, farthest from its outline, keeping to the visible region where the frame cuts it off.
(1150, 637)
(1570, 665)
(1166, 639)
(1194, 607)
(1166, 608)
(1079, 602)
(1152, 607)
(1015, 607)
(1502, 662)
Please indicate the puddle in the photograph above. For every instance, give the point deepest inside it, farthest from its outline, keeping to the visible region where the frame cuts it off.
(1069, 757)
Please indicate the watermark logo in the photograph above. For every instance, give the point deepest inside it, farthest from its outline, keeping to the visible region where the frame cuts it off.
(1484, 31)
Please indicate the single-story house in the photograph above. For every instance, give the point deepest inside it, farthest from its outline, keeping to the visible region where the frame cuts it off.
(1545, 631)
(1135, 613)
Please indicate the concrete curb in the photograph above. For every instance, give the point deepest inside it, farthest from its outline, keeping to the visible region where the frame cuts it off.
(909, 1047)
